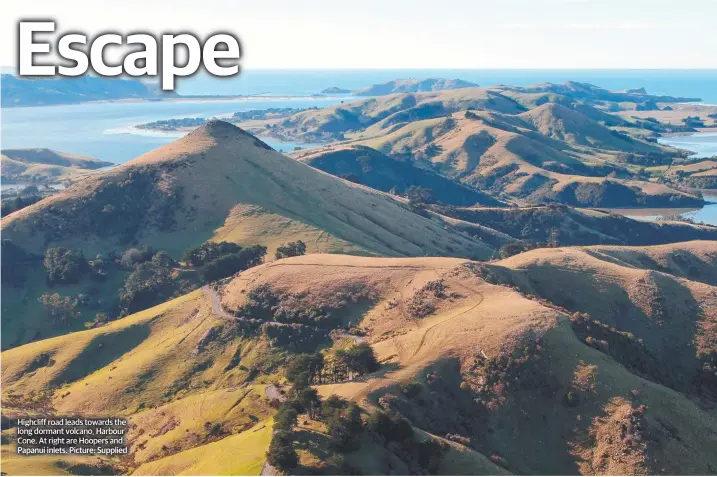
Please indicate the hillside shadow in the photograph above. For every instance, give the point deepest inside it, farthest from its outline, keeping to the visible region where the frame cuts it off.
(655, 324)
(101, 351)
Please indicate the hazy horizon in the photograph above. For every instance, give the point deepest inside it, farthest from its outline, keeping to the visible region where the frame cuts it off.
(462, 34)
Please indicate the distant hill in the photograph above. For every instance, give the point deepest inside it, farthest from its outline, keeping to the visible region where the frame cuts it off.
(510, 158)
(413, 86)
(565, 124)
(536, 147)
(37, 92)
(43, 165)
(568, 226)
(336, 122)
(335, 90)
(378, 171)
(701, 174)
(587, 91)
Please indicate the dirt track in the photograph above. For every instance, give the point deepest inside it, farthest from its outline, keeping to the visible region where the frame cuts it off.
(216, 302)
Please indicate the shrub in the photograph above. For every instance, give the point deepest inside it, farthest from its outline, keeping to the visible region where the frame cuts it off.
(97, 269)
(429, 453)
(64, 265)
(333, 405)
(510, 249)
(498, 460)
(358, 358)
(571, 399)
(343, 421)
(291, 249)
(471, 115)
(133, 256)
(307, 400)
(16, 203)
(419, 195)
(340, 436)
(411, 389)
(61, 310)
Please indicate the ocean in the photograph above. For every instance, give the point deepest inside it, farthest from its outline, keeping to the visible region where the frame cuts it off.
(104, 130)
(693, 83)
(702, 144)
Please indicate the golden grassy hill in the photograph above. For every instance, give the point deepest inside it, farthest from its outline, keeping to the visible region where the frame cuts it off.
(159, 368)
(336, 122)
(700, 174)
(664, 296)
(563, 225)
(508, 157)
(367, 166)
(548, 143)
(565, 124)
(45, 165)
(501, 360)
(412, 85)
(221, 182)
(217, 183)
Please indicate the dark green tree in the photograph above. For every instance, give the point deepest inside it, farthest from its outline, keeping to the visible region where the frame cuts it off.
(149, 284)
(358, 359)
(308, 399)
(291, 249)
(305, 368)
(285, 418)
(392, 427)
(281, 452)
(228, 265)
(206, 252)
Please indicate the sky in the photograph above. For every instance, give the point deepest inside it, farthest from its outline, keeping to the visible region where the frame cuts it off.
(392, 34)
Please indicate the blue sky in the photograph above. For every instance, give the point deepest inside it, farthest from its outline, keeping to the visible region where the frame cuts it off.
(413, 34)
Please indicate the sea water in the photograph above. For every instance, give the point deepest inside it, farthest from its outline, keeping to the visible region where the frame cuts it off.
(701, 144)
(105, 130)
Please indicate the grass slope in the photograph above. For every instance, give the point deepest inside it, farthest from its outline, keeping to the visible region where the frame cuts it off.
(45, 165)
(378, 171)
(194, 183)
(217, 183)
(494, 349)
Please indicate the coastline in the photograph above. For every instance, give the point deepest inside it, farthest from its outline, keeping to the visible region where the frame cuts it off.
(696, 149)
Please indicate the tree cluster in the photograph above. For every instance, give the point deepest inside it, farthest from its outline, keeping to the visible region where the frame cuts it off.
(207, 252)
(64, 265)
(228, 265)
(338, 365)
(291, 249)
(61, 310)
(14, 204)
